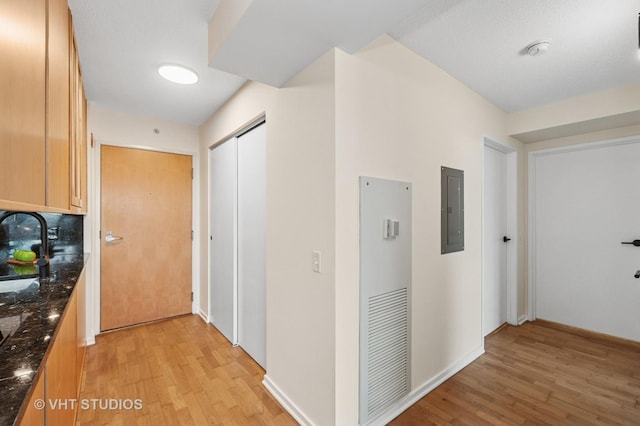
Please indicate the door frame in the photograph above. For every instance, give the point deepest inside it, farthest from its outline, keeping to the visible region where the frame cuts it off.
(531, 207)
(94, 239)
(512, 226)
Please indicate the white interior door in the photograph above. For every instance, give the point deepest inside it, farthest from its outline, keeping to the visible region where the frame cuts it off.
(587, 201)
(494, 278)
(223, 175)
(251, 243)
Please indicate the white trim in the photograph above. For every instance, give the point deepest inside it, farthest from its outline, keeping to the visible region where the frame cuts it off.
(235, 246)
(531, 238)
(512, 229)
(204, 316)
(522, 319)
(93, 326)
(90, 341)
(399, 407)
(531, 208)
(512, 226)
(295, 412)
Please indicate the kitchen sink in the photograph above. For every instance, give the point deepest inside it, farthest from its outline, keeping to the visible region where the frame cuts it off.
(13, 286)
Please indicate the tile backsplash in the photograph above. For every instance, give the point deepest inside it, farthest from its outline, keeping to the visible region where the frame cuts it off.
(22, 231)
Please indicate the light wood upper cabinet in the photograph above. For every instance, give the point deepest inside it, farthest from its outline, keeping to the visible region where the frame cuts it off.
(22, 110)
(58, 95)
(78, 134)
(43, 158)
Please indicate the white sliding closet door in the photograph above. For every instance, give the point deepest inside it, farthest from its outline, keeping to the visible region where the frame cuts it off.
(251, 243)
(223, 170)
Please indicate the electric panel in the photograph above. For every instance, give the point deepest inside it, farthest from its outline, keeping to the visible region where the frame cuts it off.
(452, 210)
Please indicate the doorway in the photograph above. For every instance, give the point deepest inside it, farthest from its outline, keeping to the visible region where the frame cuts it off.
(584, 202)
(145, 230)
(238, 241)
(499, 247)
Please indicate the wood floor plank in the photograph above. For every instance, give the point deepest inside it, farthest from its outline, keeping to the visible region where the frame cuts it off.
(184, 372)
(539, 374)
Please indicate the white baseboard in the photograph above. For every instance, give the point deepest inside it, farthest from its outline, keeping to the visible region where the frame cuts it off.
(90, 340)
(286, 403)
(204, 317)
(399, 407)
(522, 319)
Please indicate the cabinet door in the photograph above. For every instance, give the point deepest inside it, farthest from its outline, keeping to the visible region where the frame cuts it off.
(61, 381)
(22, 85)
(58, 90)
(33, 416)
(81, 328)
(78, 133)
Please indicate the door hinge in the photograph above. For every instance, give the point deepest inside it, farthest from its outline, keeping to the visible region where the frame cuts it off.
(192, 235)
(192, 296)
(99, 234)
(192, 173)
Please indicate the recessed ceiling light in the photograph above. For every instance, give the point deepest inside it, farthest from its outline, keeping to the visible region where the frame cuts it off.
(178, 74)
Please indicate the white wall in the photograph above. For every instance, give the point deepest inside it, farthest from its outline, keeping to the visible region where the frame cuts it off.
(300, 219)
(382, 112)
(118, 129)
(400, 117)
(608, 109)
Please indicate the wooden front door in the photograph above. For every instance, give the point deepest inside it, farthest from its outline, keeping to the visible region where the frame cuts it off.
(145, 200)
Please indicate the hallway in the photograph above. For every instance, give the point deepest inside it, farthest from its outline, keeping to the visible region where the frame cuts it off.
(182, 371)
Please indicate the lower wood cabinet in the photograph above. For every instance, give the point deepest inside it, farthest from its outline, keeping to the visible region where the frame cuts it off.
(33, 415)
(59, 381)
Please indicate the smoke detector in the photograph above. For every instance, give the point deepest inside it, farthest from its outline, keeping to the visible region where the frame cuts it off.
(537, 48)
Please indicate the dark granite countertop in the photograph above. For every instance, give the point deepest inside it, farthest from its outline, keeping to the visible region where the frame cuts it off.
(33, 314)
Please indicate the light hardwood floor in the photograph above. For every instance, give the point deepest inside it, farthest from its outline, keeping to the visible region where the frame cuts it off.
(539, 373)
(186, 372)
(183, 371)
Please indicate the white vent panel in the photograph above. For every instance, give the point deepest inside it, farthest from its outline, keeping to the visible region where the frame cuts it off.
(385, 295)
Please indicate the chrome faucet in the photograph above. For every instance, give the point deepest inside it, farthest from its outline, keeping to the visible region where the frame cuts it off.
(43, 263)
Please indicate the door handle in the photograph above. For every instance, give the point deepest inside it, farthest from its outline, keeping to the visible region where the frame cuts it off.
(634, 242)
(110, 238)
(505, 239)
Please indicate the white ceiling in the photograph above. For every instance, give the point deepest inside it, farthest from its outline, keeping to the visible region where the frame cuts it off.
(277, 38)
(122, 42)
(594, 46)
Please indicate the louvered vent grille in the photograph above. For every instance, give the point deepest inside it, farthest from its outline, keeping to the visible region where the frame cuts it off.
(388, 346)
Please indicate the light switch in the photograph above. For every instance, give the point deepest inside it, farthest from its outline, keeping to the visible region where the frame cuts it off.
(316, 261)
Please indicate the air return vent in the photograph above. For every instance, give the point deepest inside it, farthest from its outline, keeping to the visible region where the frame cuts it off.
(385, 295)
(388, 347)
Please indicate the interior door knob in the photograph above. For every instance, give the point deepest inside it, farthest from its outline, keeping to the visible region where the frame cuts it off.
(505, 239)
(111, 238)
